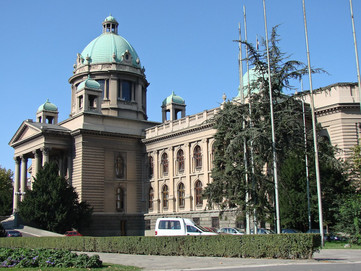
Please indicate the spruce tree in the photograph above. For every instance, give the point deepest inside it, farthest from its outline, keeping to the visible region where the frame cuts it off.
(52, 204)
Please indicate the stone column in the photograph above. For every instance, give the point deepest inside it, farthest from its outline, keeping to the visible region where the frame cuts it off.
(37, 163)
(156, 199)
(188, 171)
(69, 169)
(24, 168)
(45, 155)
(16, 184)
(172, 193)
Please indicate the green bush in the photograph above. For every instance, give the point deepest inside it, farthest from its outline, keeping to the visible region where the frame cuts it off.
(287, 246)
(25, 257)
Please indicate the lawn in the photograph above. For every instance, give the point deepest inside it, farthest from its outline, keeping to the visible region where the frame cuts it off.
(339, 245)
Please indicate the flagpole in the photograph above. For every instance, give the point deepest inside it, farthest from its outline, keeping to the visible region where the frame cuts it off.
(306, 160)
(314, 131)
(356, 53)
(240, 66)
(255, 230)
(275, 177)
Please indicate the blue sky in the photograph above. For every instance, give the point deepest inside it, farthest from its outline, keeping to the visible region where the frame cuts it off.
(185, 46)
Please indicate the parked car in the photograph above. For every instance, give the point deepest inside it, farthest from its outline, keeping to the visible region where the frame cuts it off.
(290, 231)
(72, 233)
(173, 226)
(234, 231)
(13, 233)
(263, 231)
(212, 229)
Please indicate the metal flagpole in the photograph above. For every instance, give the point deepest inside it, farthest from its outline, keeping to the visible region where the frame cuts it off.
(356, 54)
(314, 132)
(255, 231)
(243, 127)
(240, 66)
(306, 160)
(278, 224)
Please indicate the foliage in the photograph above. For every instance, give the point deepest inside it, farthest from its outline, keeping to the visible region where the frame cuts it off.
(246, 127)
(349, 217)
(2, 231)
(53, 204)
(243, 172)
(6, 191)
(355, 162)
(24, 258)
(288, 246)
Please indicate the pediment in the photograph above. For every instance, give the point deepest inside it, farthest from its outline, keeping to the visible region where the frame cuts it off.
(25, 131)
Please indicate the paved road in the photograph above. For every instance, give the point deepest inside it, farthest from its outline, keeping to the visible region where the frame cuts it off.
(327, 260)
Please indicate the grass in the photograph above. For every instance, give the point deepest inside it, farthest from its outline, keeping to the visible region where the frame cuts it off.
(108, 267)
(339, 245)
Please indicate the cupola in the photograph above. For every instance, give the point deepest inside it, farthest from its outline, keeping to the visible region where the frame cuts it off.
(47, 113)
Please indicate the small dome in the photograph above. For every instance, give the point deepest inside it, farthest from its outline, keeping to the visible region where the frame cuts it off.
(173, 98)
(110, 18)
(89, 83)
(48, 106)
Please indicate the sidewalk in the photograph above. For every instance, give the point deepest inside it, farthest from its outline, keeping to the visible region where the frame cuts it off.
(151, 262)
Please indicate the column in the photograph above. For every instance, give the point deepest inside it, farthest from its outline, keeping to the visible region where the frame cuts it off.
(24, 168)
(69, 169)
(37, 163)
(187, 170)
(156, 200)
(45, 155)
(172, 193)
(16, 184)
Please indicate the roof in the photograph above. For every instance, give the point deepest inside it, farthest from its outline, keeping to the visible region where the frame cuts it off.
(48, 106)
(89, 83)
(173, 98)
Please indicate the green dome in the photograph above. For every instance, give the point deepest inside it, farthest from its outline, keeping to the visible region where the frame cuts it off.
(107, 48)
(110, 18)
(173, 98)
(89, 83)
(48, 106)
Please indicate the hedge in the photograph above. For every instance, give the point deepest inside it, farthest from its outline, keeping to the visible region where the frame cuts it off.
(286, 246)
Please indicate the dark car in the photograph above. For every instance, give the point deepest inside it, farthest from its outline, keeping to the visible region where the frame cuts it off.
(72, 233)
(13, 233)
(290, 231)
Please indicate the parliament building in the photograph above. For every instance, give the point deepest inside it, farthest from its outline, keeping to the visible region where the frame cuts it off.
(132, 170)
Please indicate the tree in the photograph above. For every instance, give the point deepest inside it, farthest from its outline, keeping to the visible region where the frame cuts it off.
(349, 217)
(6, 191)
(246, 128)
(53, 204)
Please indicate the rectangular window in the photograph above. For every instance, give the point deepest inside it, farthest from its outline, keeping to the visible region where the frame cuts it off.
(147, 224)
(215, 222)
(126, 90)
(196, 220)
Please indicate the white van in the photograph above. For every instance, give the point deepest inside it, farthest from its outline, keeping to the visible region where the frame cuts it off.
(178, 226)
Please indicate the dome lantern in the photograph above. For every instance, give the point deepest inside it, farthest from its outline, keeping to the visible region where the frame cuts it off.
(110, 25)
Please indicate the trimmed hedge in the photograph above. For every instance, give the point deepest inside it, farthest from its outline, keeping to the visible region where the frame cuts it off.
(286, 246)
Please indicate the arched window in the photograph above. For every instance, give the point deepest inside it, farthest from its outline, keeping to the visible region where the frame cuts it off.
(120, 200)
(151, 197)
(151, 166)
(165, 163)
(180, 161)
(197, 154)
(198, 193)
(165, 196)
(181, 195)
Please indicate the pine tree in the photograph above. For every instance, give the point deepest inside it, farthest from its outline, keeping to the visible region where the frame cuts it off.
(6, 191)
(53, 204)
